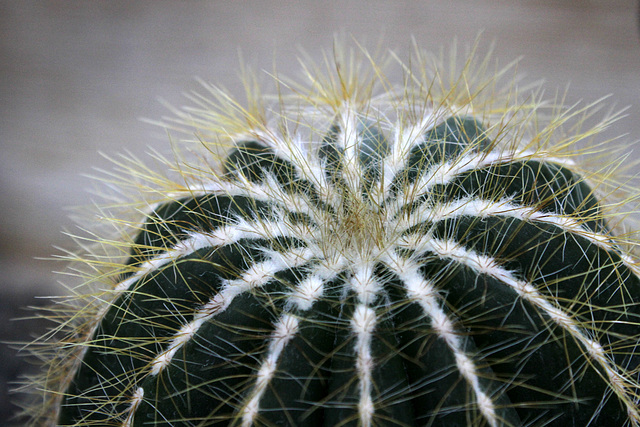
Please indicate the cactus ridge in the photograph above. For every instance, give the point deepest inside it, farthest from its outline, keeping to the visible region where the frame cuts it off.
(401, 266)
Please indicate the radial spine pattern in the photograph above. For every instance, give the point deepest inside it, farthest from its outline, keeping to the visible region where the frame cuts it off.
(421, 256)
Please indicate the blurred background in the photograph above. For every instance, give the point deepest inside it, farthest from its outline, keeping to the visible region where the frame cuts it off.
(77, 76)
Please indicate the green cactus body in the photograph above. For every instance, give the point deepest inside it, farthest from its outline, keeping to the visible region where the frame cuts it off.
(405, 269)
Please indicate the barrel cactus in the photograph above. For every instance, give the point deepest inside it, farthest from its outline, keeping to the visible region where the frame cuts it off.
(354, 253)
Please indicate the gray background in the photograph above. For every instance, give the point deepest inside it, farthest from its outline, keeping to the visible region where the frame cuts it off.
(77, 76)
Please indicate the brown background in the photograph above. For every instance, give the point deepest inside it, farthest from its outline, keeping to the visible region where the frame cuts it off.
(76, 77)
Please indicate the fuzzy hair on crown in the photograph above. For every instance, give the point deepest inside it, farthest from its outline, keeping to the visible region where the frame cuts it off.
(356, 252)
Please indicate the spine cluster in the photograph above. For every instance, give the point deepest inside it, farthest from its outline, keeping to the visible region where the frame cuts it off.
(367, 257)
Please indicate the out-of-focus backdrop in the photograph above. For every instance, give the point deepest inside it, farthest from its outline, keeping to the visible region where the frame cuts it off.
(77, 76)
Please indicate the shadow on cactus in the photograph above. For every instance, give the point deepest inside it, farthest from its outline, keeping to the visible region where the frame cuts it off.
(355, 253)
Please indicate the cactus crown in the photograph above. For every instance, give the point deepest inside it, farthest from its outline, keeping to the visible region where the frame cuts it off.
(357, 253)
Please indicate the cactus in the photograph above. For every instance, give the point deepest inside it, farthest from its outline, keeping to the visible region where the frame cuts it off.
(356, 253)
